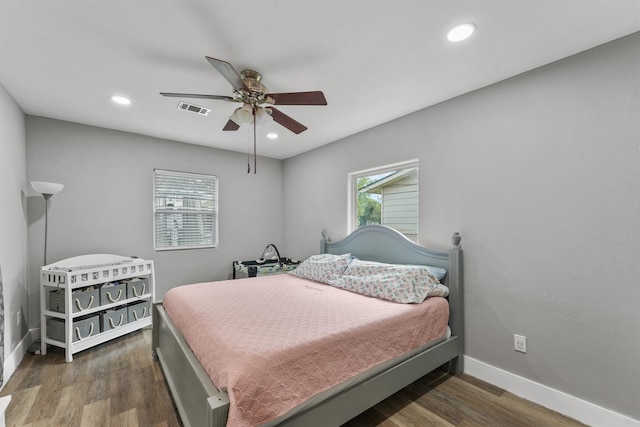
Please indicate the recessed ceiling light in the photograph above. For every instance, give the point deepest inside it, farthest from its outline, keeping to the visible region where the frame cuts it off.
(120, 100)
(272, 135)
(461, 32)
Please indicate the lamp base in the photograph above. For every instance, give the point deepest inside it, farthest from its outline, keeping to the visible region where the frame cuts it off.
(34, 348)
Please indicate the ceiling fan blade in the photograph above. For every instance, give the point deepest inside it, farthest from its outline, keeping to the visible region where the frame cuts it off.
(298, 98)
(286, 121)
(228, 72)
(195, 95)
(231, 125)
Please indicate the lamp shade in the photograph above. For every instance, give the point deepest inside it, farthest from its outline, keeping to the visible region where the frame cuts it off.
(242, 115)
(263, 117)
(47, 187)
(245, 114)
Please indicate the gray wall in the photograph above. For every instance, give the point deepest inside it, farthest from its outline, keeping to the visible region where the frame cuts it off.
(13, 220)
(541, 175)
(106, 204)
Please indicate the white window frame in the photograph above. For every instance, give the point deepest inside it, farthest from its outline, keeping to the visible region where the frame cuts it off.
(209, 212)
(352, 192)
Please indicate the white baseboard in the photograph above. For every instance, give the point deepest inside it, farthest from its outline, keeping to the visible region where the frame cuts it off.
(12, 362)
(576, 408)
(4, 403)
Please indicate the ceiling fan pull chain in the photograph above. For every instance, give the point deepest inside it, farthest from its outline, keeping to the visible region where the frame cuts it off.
(255, 158)
(249, 155)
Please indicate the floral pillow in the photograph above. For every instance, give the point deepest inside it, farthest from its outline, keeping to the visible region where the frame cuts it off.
(393, 282)
(439, 272)
(324, 268)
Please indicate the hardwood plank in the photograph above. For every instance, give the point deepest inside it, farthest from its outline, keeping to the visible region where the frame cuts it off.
(20, 406)
(467, 422)
(414, 414)
(96, 414)
(426, 391)
(490, 388)
(477, 403)
(22, 379)
(138, 394)
(461, 401)
(120, 391)
(43, 423)
(371, 418)
(119, 383)
(125, 419)
(447, 404)
(537, 413)
(68, 413)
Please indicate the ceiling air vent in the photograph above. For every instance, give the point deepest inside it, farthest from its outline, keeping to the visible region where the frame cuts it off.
(193, 108)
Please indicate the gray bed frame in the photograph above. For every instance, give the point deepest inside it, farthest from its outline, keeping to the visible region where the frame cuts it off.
(200, 403)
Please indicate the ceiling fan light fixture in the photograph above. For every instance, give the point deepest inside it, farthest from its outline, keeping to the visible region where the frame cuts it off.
(461, 32)
(262, 117)
(234, 117)
(245, 113)
(272, 135)
(242, 115)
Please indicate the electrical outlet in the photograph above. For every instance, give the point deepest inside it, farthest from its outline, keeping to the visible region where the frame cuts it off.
(520, 343)
(18, 318)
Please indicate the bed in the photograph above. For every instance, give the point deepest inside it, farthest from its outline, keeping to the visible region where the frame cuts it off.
(201, 403)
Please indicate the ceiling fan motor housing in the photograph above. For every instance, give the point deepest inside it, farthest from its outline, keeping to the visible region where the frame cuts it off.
(258, 91)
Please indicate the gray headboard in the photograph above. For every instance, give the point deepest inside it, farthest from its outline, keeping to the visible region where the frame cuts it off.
(384, 244)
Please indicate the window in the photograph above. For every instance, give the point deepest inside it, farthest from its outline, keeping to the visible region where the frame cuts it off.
(185, 210)
(387, 195)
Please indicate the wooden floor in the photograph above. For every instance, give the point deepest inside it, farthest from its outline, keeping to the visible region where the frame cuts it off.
(120, 384)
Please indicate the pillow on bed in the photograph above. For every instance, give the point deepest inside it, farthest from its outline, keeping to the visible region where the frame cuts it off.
(436, 271)
(393, 282)
(324, 268)
(439, 272)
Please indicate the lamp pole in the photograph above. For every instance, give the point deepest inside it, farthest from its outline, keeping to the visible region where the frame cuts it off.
(47, 190)
(46, 222)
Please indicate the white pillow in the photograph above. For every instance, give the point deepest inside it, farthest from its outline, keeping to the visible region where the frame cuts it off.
(393, 282)
(324, 268)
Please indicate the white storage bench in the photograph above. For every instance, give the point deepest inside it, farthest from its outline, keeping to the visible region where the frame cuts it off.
(109, 296)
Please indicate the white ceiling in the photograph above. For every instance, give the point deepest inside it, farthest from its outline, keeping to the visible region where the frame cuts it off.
(374, 60)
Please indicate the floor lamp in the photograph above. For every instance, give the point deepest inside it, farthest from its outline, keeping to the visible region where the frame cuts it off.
(48, 190)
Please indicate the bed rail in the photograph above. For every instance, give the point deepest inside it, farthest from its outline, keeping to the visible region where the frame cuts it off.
(197, 399)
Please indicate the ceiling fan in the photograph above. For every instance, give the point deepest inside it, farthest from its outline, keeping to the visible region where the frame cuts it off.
(258, 103)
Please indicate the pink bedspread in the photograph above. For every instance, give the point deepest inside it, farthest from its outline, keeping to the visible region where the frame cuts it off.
(274, 341)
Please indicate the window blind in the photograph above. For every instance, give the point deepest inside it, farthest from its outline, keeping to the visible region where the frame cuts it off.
(185, 210)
